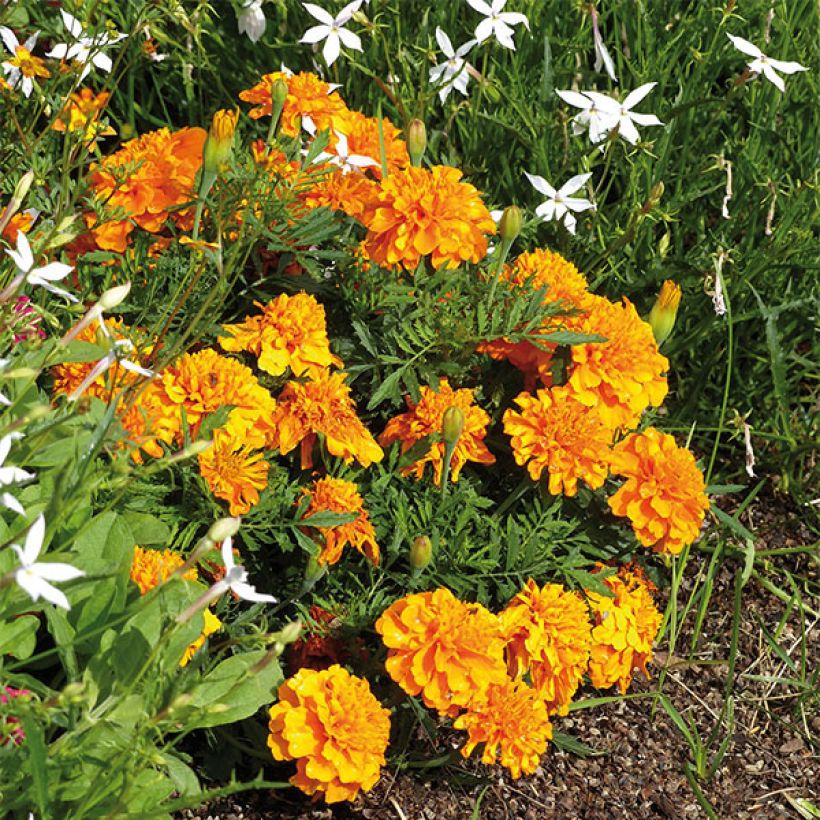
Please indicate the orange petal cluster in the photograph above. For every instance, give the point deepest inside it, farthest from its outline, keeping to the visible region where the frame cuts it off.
(349, 193)
(330, 723)
(548, 634)
(446, 650)
(331, 494)
(322, 406)
(150, 568)
(555, 432)
(512, 721)
(210, 625)
(664, 495)
(623, 375)
(289, 333)
(624, 628)
(82, 113)
(144, 183)
(425, 418)
(421, 213)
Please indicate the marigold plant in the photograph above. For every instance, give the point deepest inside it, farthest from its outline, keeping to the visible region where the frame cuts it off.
(425, 419)
(556, 433)
(150, 567)
(511, 721)
(431, 213)
(330, 723)
(624, 629)
(447, 651)
(664, 494)
(547, 634)
(331, 494)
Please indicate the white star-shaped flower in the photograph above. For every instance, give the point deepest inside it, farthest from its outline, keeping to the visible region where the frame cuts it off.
(34, 577)
(235, 578)
(13, 73)
(11, 475)
(112, 357)
(88, 51)
(560, 204)
(455, 72)
(498, 23)
(332, 30)
(42, 276)
(767, 66)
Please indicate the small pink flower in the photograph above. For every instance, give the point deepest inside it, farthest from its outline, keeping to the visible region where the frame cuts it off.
(26, 328)
(10, 730)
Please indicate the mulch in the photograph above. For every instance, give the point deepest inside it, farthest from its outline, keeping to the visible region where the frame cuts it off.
(771, 759)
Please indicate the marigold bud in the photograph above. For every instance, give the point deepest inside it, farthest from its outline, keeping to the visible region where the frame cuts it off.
(663, 313)
(21, 189)
(416, 141)
(219, 144)
(452, 425)
(224, 528)
(279, 92)
(113, 296)
(421, 552)
(510, 225)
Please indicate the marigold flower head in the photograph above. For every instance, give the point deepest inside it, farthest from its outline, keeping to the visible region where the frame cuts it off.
(322, 406)
(512, 721)
(555, 432)
(82, 113)
(150, 568)
(22, 221)
(624, 629)
(145, 182)
(332, 725)
(337, 495)
(322, 644)
(210, 625)
(234, 472)
(289, 333)
(308, 96)
(447, 651)
(547, 632)
(425, 419)
(664, 495)
(420, 212)
(200, 383)
(362, 133)
(622, 376)
(27, 64)
(349, 193)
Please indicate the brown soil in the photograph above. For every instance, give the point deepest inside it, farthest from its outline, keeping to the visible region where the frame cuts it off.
(771, 759)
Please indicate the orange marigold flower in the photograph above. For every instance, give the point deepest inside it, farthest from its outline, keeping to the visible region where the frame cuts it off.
(622, 376)
(420, 212)
(349, 193)
(211, 624)
(150, 568)
(448, 651)
(322, 406)
(362, 133)
(308, 96)
(337, 495)
(625, 627)
(510, 719)
(234, 472)
(425, 419)
(82, 113)
(547, 632)
(664, 495)
(22, 221)
(556, 432)
(145, 182)
(332, 725)
(200, 383)
(289, 333)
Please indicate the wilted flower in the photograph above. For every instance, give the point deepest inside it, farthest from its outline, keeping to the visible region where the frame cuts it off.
(560, 204)
(768, 66)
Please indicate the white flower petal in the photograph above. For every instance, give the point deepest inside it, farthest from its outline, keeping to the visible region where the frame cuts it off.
(249, 593)
(444, 43)
(626, 129)
(745, 46)
(34, 540)
(73, 25)
(574, 98)
(55, 571)
(569, 222)
(480, 6)
(515, 18)
(644, 119)
(315, 34)
(540, 185)
(578, 204)
(350, 40)
(786, 66)
(319, 13)
(573, 184)
(9, 39)
(546, 210)
(773, 77)
(103, 62)
(484, 29)
(227, 554)
(53, 271)
(331, 49)
(11, 503)
(634, 97)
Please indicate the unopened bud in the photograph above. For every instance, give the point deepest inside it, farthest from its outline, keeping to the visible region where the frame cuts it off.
(654, 198)
(313, 572)
(452, 425)
(663, 313)
(218, 146)
(510, 225)
(193, 449)
(421, 552)
(290, 632)
(224, 528)
(21, 189)
(279, 92)
(663, 245)
(416, 141)
(113, 296)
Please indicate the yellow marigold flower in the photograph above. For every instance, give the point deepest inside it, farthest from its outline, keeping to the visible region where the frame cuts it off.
(622, 376)
(27, 64)
(82, 113)
(547, 632)
(420, 212)
(234, 472)
(322, 406)
(307, 96)
(425, 419)
(625, 627)
(337, 495)
(448, 651)
(331, 724)
(289, 333)
(555, 432)
(349, 193)
(150, 568)
(664, 495)
(512, 722)
(212, 624)
(200, 383)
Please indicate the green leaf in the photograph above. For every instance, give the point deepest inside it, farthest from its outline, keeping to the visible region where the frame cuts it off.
(182, 775)
(19, 637)
(215, 421)
(35, 745)
(571, 744)
(147, 529)
(326, 518)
